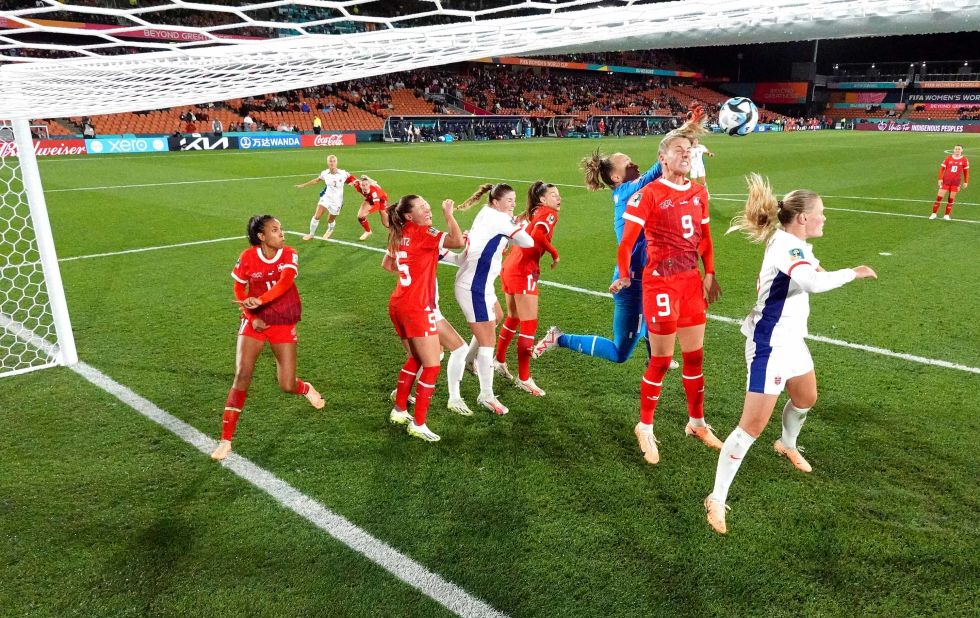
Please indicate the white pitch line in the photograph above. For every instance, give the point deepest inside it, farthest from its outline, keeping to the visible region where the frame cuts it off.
(432, 585)
(145, 249)
(721, 318)
(858, 197)
(864, 212)
(181, 182)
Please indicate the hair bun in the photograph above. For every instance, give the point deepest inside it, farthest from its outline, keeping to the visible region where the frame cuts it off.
(779, 203)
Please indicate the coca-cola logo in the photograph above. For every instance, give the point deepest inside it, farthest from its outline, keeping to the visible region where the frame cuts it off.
(335, 139)
(47, 148)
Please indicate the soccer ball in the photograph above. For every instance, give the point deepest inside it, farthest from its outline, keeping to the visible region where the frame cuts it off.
(738, 116)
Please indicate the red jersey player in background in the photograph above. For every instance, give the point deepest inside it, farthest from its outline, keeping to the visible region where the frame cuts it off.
(672, 213)
(375, 200)
(953, 166)
(520, 274)
(271, 308)
(416, 247)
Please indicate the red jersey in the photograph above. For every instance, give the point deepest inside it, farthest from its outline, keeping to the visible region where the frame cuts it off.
(952, 167)
(374, 195)
(417, 259)
(527, 261)
(672, 217)
(260, 274)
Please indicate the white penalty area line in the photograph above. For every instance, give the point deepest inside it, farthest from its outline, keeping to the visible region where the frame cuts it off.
(721, 318)
(863, 212)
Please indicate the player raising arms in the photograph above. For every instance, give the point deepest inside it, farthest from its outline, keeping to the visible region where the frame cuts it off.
(416, 247)
(619, 173)
(950, 171)
(493, 227)
(775, 352)
(271, 308)
(520, 274)
(375, 200)
(672, 213)
(331, 198)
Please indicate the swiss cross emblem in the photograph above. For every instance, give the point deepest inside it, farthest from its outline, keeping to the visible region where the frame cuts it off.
(777, 380)
(697, 201)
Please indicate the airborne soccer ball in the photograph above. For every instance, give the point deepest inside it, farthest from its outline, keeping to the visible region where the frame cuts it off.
(738, 116)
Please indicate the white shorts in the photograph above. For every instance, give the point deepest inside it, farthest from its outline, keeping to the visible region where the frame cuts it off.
(476, 306)
(770, 366)
(697, 171)
(332, 207)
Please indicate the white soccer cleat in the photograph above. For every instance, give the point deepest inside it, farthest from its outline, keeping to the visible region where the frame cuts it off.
(946, 218)
(399, 417)
(932, 216)
(674, 364)
(223, 450)
(716, 511)
(502, 370)
(422, 432)
(459, 407)
(313, 396)
(307, 236)
(394, 395)
(528, 386)
(327, 235)
(548, 342)
(648, 444)
(491, 403)
(365, 236)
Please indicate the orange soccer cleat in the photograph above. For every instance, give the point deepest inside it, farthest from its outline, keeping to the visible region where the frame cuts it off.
(705, 434)
(648, 444)
(792, 454)
(716, 512)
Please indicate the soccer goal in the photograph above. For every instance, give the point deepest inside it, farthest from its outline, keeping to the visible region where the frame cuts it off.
(60, 59)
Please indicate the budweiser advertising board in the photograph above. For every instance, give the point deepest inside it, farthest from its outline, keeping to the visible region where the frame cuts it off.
(328, 139)
(47, 147)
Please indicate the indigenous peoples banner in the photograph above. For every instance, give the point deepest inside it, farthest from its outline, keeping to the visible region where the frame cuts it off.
(916, 127)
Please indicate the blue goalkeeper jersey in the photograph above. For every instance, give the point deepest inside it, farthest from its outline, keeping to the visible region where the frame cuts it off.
(621, 196)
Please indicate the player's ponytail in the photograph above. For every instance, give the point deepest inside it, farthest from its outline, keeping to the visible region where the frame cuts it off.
(690, 130)
(256, 226)
(397, 213)
(763, 211)
(473, 199)
(596, 168)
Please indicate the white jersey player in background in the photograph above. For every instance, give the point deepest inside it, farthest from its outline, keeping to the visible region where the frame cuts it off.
(331, 197)
(698, 150)
(775, 352)
(492, 229)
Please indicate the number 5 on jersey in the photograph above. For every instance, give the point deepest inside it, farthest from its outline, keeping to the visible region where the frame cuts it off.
(404, 277)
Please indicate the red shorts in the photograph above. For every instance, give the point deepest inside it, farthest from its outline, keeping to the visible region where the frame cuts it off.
(413, 322)
(275, 333)
(674, 301)
(953, 188)
(518, 282)
(372, 207)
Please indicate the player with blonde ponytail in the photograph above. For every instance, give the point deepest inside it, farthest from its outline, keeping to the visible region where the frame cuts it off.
(775, 352)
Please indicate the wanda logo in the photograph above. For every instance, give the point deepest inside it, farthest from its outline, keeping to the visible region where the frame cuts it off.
(47, 148)
(335, 139)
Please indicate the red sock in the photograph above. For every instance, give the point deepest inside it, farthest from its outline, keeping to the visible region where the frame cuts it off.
(935, 205)
(364, 223)
(233, 408)
(653, 379)
(406, 377)
(301, 387)
(949, 206)
(423, 392)
(525, 344)
(507, 332)
(693, 378)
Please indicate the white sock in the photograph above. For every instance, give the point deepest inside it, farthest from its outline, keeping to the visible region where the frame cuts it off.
(331, 225)
(454, 370)
(484, 370)
(314, 223)
(696, 422)
(729, 460)
(648, 427)
(793, 418)
(471, 351)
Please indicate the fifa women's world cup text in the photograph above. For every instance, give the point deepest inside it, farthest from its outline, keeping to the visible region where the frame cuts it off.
(520, 275)
(264, 287)
(414, 249)
(672, 213)
(491, 231)
(775, 351)
(331, 197)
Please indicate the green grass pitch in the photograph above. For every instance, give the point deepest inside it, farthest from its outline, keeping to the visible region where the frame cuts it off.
(548, 511)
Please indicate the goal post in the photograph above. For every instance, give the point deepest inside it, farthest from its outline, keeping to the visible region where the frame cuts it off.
(35, 329)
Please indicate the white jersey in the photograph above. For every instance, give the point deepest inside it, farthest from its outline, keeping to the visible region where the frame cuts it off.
(333, 190)
(697, 160)
(789, 273)
(487, 239)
